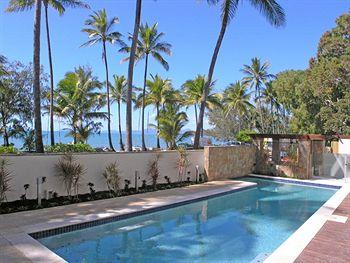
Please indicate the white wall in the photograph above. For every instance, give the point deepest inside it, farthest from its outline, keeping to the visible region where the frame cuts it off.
(344, 146)
(334, 165)
(26, 168)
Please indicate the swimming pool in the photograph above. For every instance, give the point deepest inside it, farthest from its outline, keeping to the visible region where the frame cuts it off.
(237, 227)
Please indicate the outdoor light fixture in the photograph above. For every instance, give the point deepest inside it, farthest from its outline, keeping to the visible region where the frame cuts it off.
(137, 177)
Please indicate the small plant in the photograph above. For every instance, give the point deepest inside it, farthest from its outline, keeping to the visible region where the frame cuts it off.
(167, 178)
(144, 184)
(70, 172)
(126, 185)
(92, 190)
(182, 162)
(5, 178)
(112, 176)
(200, 178)
(153, 171)
(24, 196)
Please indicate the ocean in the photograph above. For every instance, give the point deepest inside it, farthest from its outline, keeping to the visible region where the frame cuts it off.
(100, 140)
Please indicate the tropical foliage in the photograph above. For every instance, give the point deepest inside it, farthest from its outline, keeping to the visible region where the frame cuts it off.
(274, 14)
(70, 172)
(171, 123)
(100, 30)
(79, 99)
(149, 44)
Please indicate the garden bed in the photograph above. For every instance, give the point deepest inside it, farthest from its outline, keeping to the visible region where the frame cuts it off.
(32, 204)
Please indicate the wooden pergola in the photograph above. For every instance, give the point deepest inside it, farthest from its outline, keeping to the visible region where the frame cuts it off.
(309, 155)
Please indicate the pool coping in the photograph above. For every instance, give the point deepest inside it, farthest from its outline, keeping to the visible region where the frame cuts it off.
(23, 239)
(291, 248)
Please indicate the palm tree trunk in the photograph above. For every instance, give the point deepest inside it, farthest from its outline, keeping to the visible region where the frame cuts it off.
(120, 129)
(108, 99)
(130, 77)
(210, 76)
(143, 106)
(6, 137)
(158, 140)
(52, 129)
(39, 147)
(196, 113)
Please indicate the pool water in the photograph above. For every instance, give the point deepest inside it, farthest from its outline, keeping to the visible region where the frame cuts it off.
(237, 227)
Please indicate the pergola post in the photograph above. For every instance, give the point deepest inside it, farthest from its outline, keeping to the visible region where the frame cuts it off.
(276, 153)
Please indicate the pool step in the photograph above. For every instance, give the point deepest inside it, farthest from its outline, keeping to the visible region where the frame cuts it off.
(260, 258)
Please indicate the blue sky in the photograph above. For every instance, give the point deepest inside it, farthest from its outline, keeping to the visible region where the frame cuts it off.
(191, 26)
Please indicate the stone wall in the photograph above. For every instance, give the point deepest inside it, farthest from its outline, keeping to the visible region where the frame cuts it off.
(228, 161)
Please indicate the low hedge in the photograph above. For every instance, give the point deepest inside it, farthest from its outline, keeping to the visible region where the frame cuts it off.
(8, 149)
(63, 148)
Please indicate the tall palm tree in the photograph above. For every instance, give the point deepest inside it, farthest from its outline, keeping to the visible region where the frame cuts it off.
(236, 98)
(193, 90)
(22, 5)
(60, 7)
(256, 77)
(79, 100)
(100, 30)
(269, 8)
(159, 92)
(149, 44)
(26, 5)
(128, 125)
(39, 146)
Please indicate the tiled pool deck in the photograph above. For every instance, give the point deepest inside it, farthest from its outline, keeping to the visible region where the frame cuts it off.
(17, 246)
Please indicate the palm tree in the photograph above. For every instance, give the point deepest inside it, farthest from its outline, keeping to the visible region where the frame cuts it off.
(100, 30)
(78, 101)
(149, 43)
(193, 90)
(269, 96)
(159, 92)
(22, 5)
(256, 77)
(269, 8)
(171, 122)
(128, 125)
(236, 98)
(119, 94)
(39, 146)
(60, 7)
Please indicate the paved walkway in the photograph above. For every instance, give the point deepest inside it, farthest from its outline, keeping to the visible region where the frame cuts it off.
(17, 246)
(332, 242)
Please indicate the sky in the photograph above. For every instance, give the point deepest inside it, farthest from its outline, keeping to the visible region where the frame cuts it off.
(191, 26)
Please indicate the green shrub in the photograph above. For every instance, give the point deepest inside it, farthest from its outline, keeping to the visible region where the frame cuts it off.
(64, 148)
(8, 149)
(244, 136)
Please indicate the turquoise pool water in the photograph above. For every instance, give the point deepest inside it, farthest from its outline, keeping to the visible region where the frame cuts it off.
(237, 227)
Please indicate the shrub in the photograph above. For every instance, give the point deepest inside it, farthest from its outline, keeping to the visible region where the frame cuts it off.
(153, 171)
(8, 149)
(244, 136)
(70, 172)
(112, 176)
(5, 178)
(64, 148)
(182, 162)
